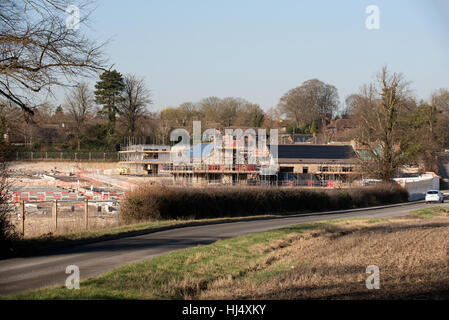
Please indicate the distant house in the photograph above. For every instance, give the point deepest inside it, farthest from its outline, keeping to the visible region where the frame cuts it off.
(297, 138)
(340, 125)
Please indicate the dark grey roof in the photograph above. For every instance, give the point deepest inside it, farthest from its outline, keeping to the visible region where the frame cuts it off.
(313, 151)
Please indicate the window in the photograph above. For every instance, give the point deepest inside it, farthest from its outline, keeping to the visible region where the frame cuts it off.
(324, 169)
(305, 169)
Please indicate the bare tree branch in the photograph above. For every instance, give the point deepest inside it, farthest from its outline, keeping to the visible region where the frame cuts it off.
(39, 51)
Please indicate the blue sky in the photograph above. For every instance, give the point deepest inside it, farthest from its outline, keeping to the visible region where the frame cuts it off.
(258, 50)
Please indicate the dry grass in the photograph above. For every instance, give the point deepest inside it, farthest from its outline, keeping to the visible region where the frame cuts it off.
(325, 260)
(41, 223)
(330, 262)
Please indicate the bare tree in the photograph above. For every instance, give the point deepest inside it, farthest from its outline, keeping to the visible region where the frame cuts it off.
(292, 105)
(322, 98)
(210, 109)
(10, 118)
(8, 232)
(250, 115)
(227, 112)
(39, 49)
(272, 118)
(136, 98)
(423, 141)
(349, 106)
(313, 100)
(229, 108)
(79, 103)
(169, 114)
(190, 111)
(440, 99)
(380, 109)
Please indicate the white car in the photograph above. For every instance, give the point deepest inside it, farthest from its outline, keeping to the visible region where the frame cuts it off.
(434, 196)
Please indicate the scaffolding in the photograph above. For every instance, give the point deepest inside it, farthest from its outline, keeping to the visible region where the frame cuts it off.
(233, 164)
(143, 159)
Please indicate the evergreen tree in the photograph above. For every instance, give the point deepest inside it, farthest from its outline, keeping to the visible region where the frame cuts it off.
(108, 93)
(59, 110)
(313, 128)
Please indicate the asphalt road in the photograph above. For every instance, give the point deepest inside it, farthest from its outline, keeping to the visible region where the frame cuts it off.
(23, 274)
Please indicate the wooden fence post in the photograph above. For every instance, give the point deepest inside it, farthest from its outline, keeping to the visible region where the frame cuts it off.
(117, 217)
(55, 215)
(22, 218)
(86, 213)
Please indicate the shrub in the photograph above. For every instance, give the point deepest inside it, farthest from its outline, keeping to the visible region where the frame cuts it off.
(163, 203)
(7, 230)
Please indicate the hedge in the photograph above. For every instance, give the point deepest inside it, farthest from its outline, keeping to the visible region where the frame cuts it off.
(149, 203)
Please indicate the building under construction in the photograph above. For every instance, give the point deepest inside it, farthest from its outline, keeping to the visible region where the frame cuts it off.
(226, 164)
(143, 159)
(317, 165)
(297, 165)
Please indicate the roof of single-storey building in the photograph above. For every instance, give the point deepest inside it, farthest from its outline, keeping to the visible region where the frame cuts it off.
(315, 153)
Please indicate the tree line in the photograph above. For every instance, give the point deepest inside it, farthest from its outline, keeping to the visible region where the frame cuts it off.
(38, 52)
(397, 129)
(87, 119)
(388, 123)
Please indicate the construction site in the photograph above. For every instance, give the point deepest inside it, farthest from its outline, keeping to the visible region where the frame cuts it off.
(295, 165)
(45, 185)
(42, 189)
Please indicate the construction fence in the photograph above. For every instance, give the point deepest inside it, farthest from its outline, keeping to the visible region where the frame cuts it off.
(65, 156)
(280, 180)
(65, 195)
(39, 218)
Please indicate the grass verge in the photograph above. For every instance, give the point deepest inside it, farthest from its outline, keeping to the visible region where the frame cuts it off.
(325, 260)
(431, 212)
(51, 242)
